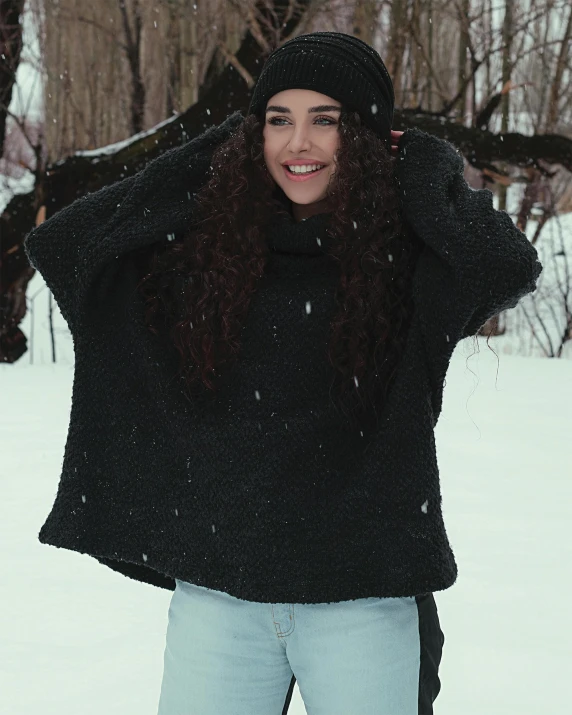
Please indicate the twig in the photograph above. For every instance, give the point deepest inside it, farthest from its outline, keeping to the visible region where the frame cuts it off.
(232, 59)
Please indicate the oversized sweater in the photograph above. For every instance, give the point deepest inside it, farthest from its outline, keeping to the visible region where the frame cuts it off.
(261, 490)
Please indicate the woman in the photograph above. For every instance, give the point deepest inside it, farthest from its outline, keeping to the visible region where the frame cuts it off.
(260, 360)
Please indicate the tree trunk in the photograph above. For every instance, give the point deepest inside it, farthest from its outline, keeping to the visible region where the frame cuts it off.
(506, 75)
(396, 44)
(10, 50)
(462, 59)
(133, 50)
(556, 88)
(364, 20)
(492, 326)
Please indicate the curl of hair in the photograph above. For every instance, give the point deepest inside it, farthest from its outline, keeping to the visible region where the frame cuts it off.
(217, 264)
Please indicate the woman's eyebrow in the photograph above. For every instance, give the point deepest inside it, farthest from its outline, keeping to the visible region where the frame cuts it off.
(311, 110)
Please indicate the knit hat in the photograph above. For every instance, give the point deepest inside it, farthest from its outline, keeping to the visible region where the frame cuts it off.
(333, 63)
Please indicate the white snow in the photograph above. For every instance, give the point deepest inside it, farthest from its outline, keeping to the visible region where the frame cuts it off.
(79, 638)
(118, 146)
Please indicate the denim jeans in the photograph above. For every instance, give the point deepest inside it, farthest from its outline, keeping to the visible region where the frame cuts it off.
(370, 656)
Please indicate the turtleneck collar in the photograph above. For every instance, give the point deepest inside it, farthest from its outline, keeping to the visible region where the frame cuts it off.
(309, 236)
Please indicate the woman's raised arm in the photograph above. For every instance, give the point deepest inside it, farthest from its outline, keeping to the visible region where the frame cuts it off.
(71, 248)
(490, 262)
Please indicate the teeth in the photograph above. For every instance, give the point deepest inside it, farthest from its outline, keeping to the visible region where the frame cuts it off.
(304, 168)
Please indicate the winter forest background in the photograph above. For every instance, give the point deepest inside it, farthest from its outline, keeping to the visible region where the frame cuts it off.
(91, 92)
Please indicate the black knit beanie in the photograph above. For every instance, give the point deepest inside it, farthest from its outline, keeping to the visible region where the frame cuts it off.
(333, 63)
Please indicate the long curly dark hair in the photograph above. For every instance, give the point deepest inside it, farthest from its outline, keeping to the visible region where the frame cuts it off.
(218, 262)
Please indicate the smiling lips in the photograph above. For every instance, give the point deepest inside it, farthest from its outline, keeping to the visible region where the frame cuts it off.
(302, 176)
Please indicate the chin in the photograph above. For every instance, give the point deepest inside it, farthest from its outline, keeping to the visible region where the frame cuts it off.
(305, 198)
(305, 202)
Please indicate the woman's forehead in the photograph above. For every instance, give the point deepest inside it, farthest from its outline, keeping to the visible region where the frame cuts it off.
(300, 98)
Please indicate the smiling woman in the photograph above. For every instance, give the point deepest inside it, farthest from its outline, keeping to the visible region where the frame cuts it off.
(302, 131)
(300, 238)
(354, 201)
(294, 506)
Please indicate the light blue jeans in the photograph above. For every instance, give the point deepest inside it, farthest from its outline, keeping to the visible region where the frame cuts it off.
(227, 656)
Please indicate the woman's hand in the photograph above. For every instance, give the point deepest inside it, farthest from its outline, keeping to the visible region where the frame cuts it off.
(395, 137)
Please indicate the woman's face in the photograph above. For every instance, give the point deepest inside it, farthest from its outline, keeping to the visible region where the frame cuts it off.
(301, 131)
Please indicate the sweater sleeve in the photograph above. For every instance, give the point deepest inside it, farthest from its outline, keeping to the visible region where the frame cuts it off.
(491, 264)
(72, 248)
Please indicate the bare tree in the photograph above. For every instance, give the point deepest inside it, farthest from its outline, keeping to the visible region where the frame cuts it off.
(13, 276)
(453, 64)
(364, 20)
(10, 49)
(132, 31)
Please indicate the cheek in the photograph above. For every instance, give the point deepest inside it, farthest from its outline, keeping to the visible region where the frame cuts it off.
(269, 150)
(334, 146)
(270, 154)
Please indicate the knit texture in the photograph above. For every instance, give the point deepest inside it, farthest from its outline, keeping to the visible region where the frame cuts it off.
(261, 490)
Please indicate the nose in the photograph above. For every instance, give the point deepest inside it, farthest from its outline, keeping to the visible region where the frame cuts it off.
(299, 139)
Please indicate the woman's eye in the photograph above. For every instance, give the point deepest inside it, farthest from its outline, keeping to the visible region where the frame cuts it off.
(275, 120)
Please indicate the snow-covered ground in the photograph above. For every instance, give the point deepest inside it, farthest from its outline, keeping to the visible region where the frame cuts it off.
(79, 639)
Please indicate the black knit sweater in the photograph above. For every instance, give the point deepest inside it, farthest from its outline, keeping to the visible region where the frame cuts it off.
(261, 490)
